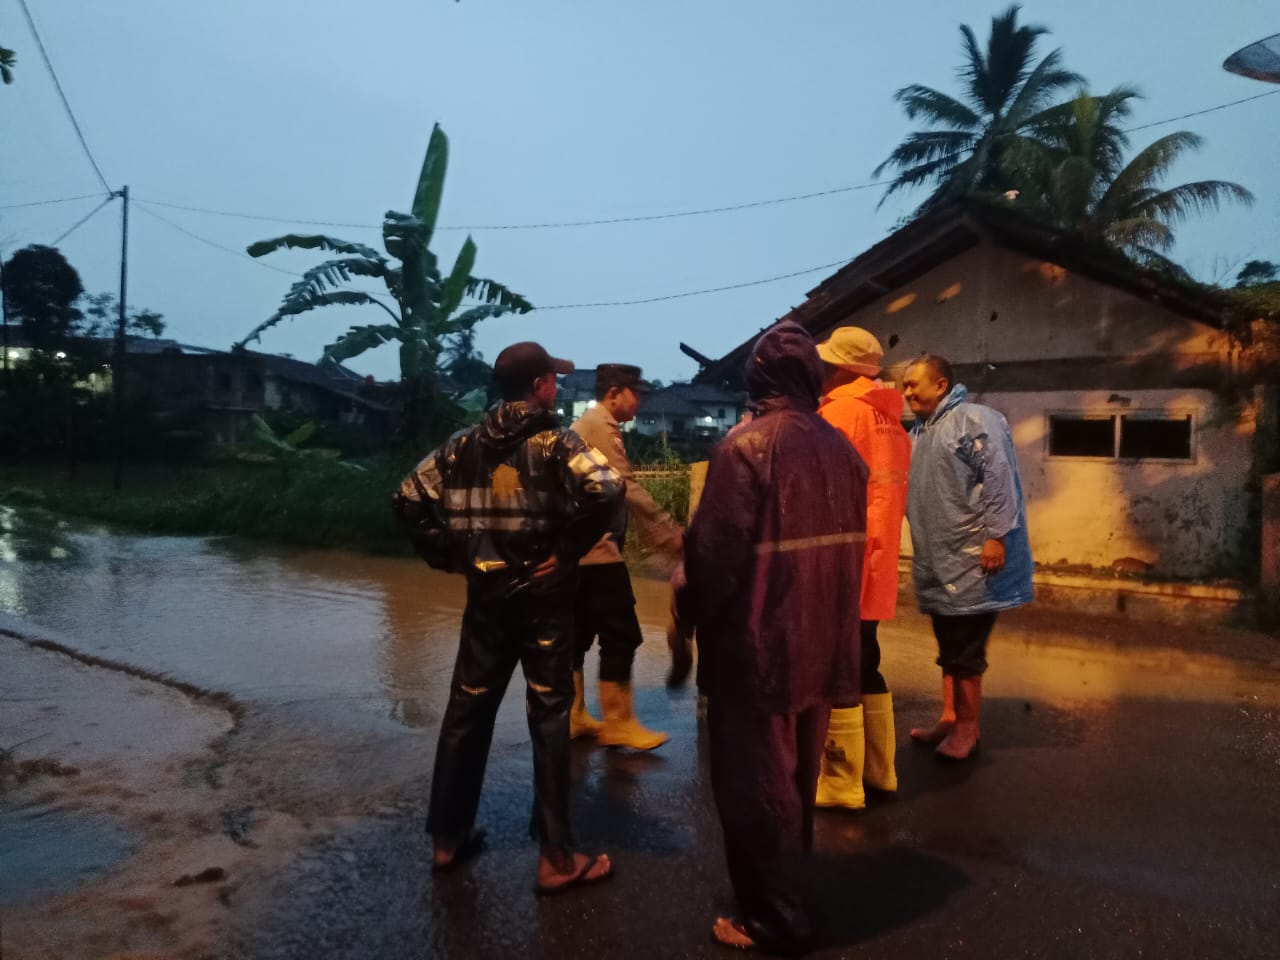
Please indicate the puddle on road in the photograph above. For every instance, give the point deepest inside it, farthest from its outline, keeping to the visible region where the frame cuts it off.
(373, 639)
(47, 850)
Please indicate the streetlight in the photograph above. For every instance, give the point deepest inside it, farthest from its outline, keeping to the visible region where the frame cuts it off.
(1260, 60)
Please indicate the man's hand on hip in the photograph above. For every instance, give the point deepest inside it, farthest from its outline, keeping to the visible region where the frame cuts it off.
(547, 570)
(992, 559)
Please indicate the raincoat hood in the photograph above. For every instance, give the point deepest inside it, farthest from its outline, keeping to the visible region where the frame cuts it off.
(506, 425)
(784, 370)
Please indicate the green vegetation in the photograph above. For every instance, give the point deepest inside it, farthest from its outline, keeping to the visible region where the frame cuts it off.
(55, 400)
(320, 504)
(1005, 88)
(291, 451)
(428, 309)
(1009, 138)
(1072, 173)
(323, 505)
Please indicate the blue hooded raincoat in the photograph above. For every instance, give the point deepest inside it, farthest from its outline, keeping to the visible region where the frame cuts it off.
(965, 490)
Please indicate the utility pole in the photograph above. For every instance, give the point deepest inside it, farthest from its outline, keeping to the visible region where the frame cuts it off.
(4, 305)
(117, 369)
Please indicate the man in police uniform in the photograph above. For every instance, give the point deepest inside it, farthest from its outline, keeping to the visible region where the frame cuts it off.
(605, 603)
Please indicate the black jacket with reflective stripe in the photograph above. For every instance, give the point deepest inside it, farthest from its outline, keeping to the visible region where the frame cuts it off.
(495, 501)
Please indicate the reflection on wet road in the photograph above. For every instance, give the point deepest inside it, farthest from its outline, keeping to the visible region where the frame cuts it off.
(48, 849)
(1123, 804)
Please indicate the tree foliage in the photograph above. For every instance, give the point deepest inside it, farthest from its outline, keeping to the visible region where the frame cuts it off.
(1066, 163)
(40, 291)
(8, 60)
(1073, 171)
(102, 315)
(426, 307)
(1257, 272)
(1004, 88)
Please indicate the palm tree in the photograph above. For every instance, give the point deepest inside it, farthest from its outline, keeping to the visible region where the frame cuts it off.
(427, 308)
(1004, 89)
(1071, 171)
(8, 60)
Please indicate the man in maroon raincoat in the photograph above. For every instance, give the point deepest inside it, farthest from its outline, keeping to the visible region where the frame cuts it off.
(773, 570)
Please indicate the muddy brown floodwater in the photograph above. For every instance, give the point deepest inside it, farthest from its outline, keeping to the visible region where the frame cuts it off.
(216, 749)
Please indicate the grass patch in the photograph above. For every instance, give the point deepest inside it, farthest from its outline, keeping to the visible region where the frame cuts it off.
(321, 505)
(318, 504)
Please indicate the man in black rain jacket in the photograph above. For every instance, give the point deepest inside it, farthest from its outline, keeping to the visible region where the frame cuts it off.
(512, 504)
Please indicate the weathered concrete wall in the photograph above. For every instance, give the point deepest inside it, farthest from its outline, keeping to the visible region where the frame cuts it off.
(991, 309)
(1183, 518)
(991, 305)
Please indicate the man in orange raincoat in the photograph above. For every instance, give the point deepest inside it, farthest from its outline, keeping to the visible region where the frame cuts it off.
(860, 741)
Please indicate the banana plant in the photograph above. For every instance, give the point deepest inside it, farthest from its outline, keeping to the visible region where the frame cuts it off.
(426, 307)
(287, 451)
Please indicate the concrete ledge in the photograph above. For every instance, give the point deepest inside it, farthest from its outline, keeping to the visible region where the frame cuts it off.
(1188, 591)
(1161, 601)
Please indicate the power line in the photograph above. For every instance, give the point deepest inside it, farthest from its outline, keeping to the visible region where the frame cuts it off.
(143, 205)
(671, 216)
(266, 219)
(212, 243)
(83, 220)
(696, 293)
(643, 218)
(62, 96)
(550, 225)
(1200, 113)
(45, 203)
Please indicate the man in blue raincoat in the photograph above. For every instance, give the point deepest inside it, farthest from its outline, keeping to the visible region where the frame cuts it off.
(972, 557)
(773, 564)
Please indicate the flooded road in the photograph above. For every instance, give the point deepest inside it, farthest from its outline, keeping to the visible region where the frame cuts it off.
(1123, 804)
(267, 625)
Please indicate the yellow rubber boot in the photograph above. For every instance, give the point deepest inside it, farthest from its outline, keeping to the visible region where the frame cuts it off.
(840, 781)
(882, 742)
(581, 723)
(621, 728)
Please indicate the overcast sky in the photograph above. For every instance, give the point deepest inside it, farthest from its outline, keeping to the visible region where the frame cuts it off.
(556, 110)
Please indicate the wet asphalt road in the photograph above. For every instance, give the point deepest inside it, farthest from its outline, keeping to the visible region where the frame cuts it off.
(1123, 806)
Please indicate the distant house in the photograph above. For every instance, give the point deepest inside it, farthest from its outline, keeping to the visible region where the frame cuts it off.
(216, 392)
(682, 411)
(1134, 413)
(224, 389)
(689, 411)
(577, 392)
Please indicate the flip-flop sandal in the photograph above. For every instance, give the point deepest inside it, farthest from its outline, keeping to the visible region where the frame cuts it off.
(718, 938)
(579, 879)
(471, 844)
